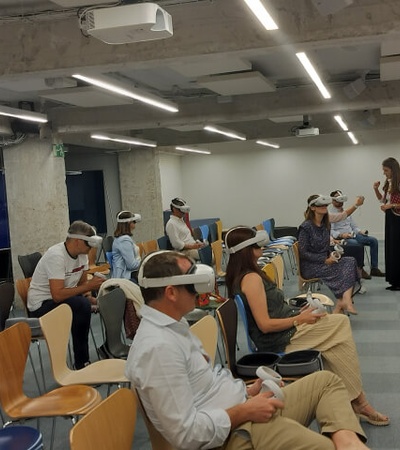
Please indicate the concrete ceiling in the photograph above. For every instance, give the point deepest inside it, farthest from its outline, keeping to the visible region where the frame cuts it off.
(220, 67)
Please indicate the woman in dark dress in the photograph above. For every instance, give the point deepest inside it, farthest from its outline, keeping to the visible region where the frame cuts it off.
(315, 259)
(390, 199)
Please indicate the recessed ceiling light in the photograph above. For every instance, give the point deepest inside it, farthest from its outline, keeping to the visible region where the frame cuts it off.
(225, 131)
(118, 88)
(352, 137)
(303, 58)
(193, 150)
(267, 144)
(341, 122)
(262, 14)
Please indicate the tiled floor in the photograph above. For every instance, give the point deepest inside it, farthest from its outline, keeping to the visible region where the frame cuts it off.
(377, 334)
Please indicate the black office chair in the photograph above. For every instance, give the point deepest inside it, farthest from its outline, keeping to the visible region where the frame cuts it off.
(28, 263)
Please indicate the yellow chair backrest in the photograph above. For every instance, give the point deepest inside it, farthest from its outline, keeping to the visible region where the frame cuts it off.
(278, 263)
(206, 330)
(217, 251)
(270, 271)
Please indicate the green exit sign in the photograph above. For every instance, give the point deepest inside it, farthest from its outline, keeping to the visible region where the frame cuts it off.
(58, 150)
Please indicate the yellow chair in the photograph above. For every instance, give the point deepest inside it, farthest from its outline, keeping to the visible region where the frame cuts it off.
(270, 270)
(67, 401)
(218, 255)
(56, 327)
(206, 330)
(219, 229)
(110, 425)
(279, 265)
(150, 246)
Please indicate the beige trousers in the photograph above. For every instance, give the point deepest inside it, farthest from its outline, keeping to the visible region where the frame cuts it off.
(332, 336)
(320, 395)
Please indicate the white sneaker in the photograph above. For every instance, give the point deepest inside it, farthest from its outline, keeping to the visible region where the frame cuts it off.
(362, 290)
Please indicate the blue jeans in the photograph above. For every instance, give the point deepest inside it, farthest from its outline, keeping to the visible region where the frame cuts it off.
(372, 243)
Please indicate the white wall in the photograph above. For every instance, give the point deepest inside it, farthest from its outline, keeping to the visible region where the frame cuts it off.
(250, 186)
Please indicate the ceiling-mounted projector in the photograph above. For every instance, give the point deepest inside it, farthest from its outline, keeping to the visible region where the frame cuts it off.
(306, 132)
(128, 23)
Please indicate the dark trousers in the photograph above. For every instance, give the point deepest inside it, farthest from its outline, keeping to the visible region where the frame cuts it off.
(81, 314)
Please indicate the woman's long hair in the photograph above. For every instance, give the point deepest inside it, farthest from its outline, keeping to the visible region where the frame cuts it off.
(393, 165)
(243, 261)
(310, 214)
(123, 227)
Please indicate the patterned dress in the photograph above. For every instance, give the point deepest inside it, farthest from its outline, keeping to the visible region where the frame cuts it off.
(313, 251)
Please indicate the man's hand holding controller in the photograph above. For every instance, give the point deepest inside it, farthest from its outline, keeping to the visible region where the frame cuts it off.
(272, 382)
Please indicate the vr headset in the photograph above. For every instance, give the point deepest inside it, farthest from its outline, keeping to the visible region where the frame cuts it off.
(93, 241)
(321, 200)
(261, 239)
(200, 275)
(134, 218)
(341, 198)
(183, 208)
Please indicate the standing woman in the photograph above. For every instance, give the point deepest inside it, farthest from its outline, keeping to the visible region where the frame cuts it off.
(315, 258)
(390, 199)
(126, 257)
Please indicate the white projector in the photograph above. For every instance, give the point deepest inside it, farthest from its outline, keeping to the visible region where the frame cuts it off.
(127, 24)
(306, 132)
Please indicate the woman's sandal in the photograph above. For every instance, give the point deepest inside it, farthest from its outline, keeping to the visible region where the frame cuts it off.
(373, 417)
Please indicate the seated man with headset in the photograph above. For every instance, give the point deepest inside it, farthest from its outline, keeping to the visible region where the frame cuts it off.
(178, 232)
(352, 235)
(60, 277)
(197, 406)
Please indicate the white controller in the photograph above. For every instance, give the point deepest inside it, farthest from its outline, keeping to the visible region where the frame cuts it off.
(100, 275)
(338, 252)
(271, 381)
(318, 307)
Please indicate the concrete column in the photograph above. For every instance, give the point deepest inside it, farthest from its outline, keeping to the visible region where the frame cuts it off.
(141, 191)
(36, 196)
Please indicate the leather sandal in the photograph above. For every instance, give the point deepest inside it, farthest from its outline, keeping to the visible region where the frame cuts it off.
(373, 417)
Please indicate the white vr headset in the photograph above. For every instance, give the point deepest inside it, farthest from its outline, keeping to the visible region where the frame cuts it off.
(321, 200)
(261, 239)
(185, 208)
(200, 275)
(134, 218)
(341, 198)
(93, 241)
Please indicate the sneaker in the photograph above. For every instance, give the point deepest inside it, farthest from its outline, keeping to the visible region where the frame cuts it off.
(375, 272)
(362, 290)
(366, 275)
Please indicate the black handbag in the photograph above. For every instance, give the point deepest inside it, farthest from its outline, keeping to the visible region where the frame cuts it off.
(299, 363)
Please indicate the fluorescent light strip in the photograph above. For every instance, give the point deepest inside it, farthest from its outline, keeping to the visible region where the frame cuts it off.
(341, 122)
(136, 94)
(259, 10)
(352, 137)
(22, 114)
(225, 132)
(123, 139)
(193, 150)
(303, 58)
(267, 144)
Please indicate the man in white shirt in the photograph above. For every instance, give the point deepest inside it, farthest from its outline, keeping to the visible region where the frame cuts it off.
(196, 406)
(178, 232)
(348, 230)
(60, 277)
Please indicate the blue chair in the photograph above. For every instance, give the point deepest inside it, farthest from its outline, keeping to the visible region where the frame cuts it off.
(205, 254)
(109, 257)
(205, 231)
(20, 437)
(164, 243)
(242, 312)
(213, 229)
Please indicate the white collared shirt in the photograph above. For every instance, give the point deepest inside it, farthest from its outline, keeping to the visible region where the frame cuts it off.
(179, 233)
(184, 397)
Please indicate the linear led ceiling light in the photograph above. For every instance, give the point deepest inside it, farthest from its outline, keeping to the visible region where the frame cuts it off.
(23, 114)
(267, 144)
(193, 150)
(259, 10)
(225, 132)
(352, 137)
(123, 139)
(134, 93)
(303, 58)
(341, 122)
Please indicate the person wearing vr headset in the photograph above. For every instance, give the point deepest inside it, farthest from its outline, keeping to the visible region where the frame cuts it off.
(353, 236)
(389, 198)
(316, 260)
(197, 406)
(179, 233)
(60, 277)
(275, 327)
(126, 256)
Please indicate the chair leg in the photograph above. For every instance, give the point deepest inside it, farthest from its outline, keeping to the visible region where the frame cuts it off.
(34, 373)
(41, 364)
(53, 432)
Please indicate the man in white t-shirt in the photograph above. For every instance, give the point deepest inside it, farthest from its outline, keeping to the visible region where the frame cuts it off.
(178, 232)
(60, 277)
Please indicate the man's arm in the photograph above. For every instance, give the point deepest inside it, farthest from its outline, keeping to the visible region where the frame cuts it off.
(59, 292)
